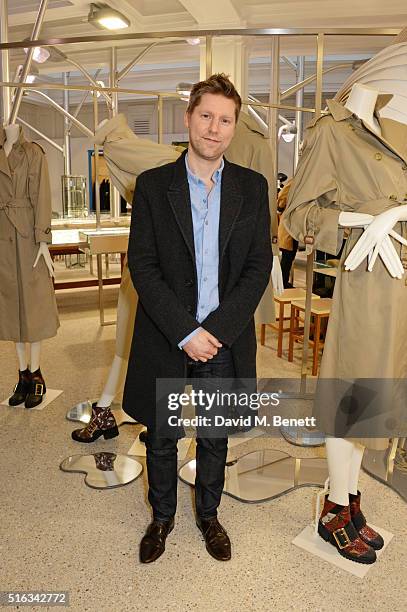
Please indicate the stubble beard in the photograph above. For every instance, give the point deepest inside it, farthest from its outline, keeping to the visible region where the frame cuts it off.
(199, 151)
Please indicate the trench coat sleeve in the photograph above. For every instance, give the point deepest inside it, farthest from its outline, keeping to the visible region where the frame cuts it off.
(40, 195)
(313, 207)
(157, 298)
(237, 309)
(127, 156)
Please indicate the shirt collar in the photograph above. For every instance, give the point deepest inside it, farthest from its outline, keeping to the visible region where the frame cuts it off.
(216, 176)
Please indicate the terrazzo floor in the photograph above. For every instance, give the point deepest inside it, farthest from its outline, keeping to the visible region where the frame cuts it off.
(59, 535)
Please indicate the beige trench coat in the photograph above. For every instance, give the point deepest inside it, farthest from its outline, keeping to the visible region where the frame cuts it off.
(346, 167)
(128, 156)
(28, 311)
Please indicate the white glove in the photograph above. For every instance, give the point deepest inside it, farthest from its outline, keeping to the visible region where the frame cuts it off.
(375, 240)
(277, 276)
(44, 251)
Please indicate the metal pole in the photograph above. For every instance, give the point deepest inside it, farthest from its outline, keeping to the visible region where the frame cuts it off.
(96, 162)
(299, 101)
(84, 72)
(28, 59)
(274, 98)
(133, 62)
(59, 108)
(4, 62)
(67, 137)
(41, 135)
(310, 257)
(208, 48)
(160, 119)
(113, 76)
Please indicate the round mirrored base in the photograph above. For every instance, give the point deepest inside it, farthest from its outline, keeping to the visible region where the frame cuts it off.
(104, 470)
(391, 472)
(264, 475)
(301, 436)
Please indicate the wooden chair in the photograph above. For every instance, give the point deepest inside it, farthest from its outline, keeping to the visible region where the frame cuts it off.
(320, 310)
(282, 300)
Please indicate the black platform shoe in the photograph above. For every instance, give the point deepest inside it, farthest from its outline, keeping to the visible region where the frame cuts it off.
(21, 389)
(335, 526)
(37, 390)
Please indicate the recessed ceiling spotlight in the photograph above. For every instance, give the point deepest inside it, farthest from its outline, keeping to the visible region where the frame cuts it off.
(193, 41)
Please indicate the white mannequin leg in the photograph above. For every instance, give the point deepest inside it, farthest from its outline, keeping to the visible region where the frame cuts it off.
(354, 471)
(339, 454)
(114, 382)
(22, 356)
(35, 354)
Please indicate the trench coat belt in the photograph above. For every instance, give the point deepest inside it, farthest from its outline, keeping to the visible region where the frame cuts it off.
(10, 208)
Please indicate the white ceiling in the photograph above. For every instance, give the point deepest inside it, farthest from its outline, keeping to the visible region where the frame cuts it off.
(168, 64)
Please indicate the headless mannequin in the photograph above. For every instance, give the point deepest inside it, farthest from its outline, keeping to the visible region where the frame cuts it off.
(28, 355)
(344, 456)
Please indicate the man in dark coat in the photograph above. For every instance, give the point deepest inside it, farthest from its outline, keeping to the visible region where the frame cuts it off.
(200, 259)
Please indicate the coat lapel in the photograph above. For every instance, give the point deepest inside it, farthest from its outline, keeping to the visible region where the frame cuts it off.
(179, 198)
(230, 205)
(4, 165)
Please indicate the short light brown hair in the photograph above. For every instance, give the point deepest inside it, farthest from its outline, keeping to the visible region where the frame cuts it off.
(218, 84)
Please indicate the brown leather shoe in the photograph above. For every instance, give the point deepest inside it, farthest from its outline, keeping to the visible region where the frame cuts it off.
(152, 544)
(102, 423)
(216, 539)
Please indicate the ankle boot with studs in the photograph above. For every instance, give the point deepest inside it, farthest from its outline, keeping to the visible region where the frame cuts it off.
(102, 423)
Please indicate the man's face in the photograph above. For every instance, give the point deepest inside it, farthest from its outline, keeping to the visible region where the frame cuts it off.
(211, 126)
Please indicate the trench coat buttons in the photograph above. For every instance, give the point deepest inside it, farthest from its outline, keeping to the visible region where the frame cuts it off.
(189, 283)
(378, 156)
(189, 308)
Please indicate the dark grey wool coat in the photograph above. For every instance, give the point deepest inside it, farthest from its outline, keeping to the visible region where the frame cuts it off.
(161, 260)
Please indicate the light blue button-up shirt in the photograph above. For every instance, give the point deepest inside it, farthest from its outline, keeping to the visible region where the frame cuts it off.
(205, 218)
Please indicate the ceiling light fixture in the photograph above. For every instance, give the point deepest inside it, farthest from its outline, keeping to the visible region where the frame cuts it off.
(105, 17)
(193, 41)
(34, 72)
(184, 91)
(40, 54)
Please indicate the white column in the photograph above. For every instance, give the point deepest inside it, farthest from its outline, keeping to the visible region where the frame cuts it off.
(229, 55)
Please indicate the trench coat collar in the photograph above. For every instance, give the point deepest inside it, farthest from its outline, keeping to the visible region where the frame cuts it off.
(230, 203)
(4, 164)
(339, 113)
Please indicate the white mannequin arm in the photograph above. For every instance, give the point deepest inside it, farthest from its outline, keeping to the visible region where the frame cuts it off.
(277, 276)
(44, 251)
(376, 238)
(354, 219)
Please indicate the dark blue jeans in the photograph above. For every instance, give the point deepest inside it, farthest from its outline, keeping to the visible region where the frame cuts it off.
(210, 456)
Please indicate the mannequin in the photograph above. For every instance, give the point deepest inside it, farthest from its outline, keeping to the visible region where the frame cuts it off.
(345, 457)
(31, 386)
(351, 175)
(126, 157)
